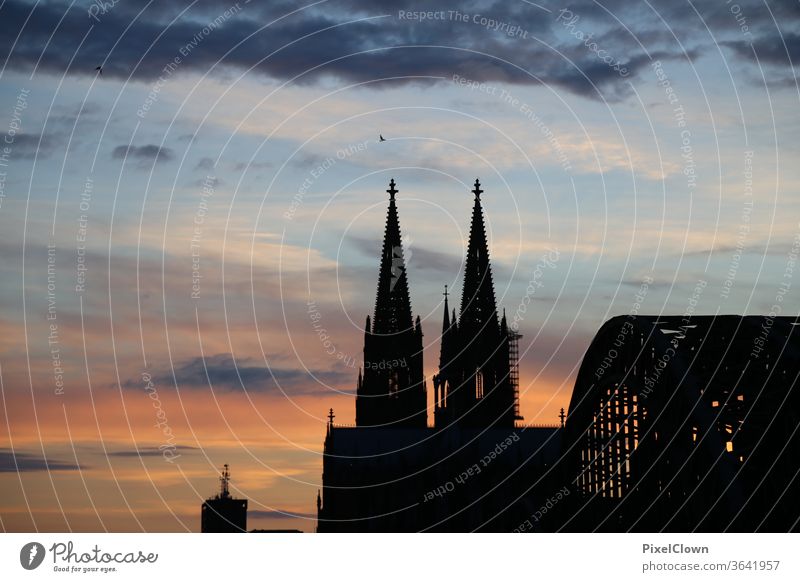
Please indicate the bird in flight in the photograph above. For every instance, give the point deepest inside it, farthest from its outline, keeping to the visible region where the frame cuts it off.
(99, 69)
(381, 137)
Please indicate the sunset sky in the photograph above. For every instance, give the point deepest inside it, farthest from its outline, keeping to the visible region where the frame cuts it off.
(172, 229)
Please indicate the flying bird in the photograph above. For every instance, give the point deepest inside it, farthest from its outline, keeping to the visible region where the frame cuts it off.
(382, 138)
(99, 69)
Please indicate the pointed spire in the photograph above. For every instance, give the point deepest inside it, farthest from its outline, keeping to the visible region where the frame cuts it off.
(388, 396)
(392, 303)
(446, 318)
(478, 305)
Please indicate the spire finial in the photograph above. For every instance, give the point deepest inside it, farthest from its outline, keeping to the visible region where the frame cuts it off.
(562, 416)
(331, 416)
(391, 190)
(445, 292)
(477, 191)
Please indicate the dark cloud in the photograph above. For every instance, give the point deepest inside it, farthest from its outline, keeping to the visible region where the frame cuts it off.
(226, 373)
(251, 166)
(305, 160)
(326, 42)
(417, 258)
(637, 283)
(207, 182)
(151, 451)
(205, 164)
(144, 155)
(26, 145)
(772, 49)
(15, 462)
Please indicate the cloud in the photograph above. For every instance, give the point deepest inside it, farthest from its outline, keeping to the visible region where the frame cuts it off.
(417, 257)
(352, 42)
(150, 451)
(27, 145)
(773, 48)
(251, 165)
(756, 248)
(207, 182)
(69, 116)
(205, 164)
(224, 372)
(15, 462)
(307, 160)
(143, 155)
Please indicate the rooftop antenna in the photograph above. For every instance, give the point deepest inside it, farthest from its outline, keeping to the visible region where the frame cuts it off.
(224, 482)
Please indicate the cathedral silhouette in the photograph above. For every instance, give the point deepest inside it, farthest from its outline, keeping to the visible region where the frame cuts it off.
(675, 423)
(393, 472)
(473, 387)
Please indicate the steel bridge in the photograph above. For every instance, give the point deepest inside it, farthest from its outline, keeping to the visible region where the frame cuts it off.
(686, 424)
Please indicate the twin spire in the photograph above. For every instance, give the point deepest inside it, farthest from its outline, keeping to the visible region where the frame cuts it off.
(393, 302)
(392, 390)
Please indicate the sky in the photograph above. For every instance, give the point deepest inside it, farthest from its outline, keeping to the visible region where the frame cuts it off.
(190, 235)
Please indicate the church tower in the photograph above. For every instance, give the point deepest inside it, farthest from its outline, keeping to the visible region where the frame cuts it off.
(473, 387)
(392, 392)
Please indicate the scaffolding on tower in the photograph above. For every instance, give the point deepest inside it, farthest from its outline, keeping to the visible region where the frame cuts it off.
(513, 369)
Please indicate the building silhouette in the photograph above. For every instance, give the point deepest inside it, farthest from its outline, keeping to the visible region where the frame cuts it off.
(392, 472)
(675, 423)
(223, 513)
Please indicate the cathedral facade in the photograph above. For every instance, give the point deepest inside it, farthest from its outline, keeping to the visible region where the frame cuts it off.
(394, 472)
(474, 386)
